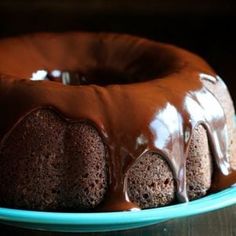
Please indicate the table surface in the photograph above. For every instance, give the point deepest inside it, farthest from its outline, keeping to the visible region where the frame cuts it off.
(220, 222)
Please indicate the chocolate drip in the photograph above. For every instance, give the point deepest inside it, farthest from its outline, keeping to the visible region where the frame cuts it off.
(154, 116)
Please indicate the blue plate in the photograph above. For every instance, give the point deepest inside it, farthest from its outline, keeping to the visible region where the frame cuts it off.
(98, 222)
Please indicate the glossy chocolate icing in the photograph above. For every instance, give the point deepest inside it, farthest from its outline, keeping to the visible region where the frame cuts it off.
(141, 95)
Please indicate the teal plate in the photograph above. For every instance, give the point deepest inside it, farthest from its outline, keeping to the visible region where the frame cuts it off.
(100, 222)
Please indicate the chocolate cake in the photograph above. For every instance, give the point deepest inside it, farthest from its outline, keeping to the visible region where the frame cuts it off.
(109, 122)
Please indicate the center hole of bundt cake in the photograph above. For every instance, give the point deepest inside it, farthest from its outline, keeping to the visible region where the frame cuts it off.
(100, 77)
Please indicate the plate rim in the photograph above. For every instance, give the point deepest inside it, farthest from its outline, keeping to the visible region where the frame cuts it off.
(218, 200)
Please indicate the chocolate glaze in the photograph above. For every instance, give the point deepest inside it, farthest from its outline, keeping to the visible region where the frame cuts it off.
(161, 99)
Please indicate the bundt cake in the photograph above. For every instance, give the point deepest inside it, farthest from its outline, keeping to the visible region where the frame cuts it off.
(109, 122)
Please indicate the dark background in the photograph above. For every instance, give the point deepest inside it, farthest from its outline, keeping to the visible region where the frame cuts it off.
(205, 27)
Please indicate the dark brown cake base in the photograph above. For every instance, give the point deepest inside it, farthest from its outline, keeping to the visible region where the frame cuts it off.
(60, 166)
